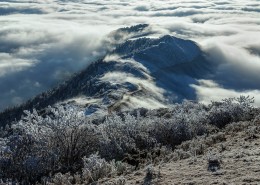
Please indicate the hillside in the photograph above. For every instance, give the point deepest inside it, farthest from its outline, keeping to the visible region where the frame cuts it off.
(236, 147)
(64, 146)
(129, 92)
(133, 117)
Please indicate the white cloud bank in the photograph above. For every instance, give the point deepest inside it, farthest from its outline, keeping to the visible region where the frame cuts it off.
(43, 41)
(208, 91)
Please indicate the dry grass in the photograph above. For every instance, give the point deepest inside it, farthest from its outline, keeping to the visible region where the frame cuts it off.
(238, 148)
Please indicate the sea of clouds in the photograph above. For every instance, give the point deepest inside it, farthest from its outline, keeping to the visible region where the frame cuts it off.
(42, 42)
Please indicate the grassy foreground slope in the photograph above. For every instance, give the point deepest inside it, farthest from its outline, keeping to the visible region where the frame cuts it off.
(237, 148)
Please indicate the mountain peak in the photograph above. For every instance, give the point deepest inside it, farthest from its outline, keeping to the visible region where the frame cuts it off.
(146, 72)
(167, 38)
(166, 43)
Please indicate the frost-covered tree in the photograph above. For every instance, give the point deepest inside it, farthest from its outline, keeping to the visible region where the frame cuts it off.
(47, 144)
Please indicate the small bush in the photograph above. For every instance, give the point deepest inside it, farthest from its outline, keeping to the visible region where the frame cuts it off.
(230, 110)
(150, 175)
(213, 163)
(96, 168)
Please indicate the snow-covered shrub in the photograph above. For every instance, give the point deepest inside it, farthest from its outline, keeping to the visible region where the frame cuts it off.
(181, 154)
(235, 127)
(257, 119)
(194, 146)
(124, 135)
(23, 159)
(132, 134)
(96, 168)
(47, 144)
(117, 181)
(69, 137)
(187, 120)
(61, 179)
(230, 110)
(173, 133)
(72, 143)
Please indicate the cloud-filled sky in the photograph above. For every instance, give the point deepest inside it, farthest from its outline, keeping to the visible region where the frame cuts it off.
(42, 42)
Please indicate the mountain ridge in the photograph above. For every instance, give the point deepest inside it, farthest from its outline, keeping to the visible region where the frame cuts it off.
(144, 72)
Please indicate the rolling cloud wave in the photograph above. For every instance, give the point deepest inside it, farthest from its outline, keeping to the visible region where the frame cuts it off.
(44, 41)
